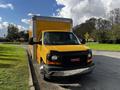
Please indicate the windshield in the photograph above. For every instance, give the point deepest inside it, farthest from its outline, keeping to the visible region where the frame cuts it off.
(60, 38)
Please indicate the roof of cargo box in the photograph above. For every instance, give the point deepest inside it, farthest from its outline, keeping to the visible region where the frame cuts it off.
(52, 19)
(54, 31)
(43, 23)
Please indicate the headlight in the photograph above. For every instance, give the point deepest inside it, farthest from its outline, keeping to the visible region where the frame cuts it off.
(54, 57)
(89, 54)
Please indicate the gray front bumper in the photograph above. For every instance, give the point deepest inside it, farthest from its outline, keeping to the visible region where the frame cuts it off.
(71, 72)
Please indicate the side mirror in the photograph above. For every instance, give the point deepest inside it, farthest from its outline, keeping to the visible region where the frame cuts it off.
(40, 42)
(31, 41)
(83, 41)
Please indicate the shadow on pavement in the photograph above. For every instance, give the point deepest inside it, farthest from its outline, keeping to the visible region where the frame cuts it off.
(75, 82)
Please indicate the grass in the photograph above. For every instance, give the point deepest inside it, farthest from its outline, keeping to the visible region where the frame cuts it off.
(11, 43)
(13, 68)
(107, 47)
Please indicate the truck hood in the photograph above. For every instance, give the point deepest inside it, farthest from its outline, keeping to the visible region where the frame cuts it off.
(67, 48)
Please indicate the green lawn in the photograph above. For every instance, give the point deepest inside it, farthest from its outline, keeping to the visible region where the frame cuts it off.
(108, 47)
(13, 68)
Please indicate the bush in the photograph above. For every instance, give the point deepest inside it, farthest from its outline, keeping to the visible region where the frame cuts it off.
(118, 41)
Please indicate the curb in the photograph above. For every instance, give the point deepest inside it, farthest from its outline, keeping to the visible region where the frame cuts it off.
(31, 85)
(106, 53)
(105, 50)
(34, 84)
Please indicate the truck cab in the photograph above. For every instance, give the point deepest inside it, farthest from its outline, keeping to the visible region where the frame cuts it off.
(57, 49)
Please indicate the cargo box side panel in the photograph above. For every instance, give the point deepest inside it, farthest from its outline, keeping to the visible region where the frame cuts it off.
(42, 25)
(48, 23)
(35, 40)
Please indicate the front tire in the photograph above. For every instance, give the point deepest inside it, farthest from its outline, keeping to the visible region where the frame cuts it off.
(43, 73)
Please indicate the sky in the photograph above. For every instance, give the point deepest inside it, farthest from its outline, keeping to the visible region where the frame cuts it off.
(19, 12)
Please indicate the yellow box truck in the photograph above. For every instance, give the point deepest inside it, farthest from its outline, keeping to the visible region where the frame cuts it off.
(56, 48)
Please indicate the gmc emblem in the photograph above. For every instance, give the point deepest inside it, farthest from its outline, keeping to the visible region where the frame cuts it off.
(75, 60)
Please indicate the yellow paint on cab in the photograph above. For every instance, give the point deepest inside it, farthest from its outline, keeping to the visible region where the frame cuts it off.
(45, 24)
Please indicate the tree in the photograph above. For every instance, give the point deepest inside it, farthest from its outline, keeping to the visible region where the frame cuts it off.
(116, 33)
(12, 33)
(83, 28)
(103, 36)
(103, 24)
(86, 35)
(114, 16)
(24, 35)
(103, 27)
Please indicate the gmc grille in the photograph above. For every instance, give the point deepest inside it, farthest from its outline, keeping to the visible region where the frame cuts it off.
(66, 58)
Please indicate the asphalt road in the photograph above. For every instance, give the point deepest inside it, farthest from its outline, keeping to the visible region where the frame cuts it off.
(106, 76)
